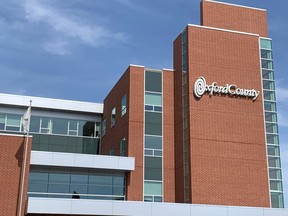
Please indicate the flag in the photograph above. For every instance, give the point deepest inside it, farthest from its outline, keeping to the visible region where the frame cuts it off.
(26, 119)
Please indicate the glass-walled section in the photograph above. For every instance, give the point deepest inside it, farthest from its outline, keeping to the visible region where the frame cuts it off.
(56, 134)
(75, 184)
(153, 146)
(271, 123)
(185, 102)
(68, 144)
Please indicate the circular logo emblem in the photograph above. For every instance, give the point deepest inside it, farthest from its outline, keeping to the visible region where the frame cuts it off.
(199, 87)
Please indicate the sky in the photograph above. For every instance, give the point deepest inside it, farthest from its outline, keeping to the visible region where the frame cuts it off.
(78, 49)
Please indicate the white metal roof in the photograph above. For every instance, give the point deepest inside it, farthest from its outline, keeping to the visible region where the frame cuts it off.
(51, 103)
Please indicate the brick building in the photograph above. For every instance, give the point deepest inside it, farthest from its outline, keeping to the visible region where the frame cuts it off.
(204, 134)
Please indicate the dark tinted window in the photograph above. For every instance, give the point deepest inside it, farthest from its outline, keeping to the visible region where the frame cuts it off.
(153, 142)
(153, 81)
(153, 123)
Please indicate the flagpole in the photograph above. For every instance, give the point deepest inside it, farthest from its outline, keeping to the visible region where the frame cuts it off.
(24, 164)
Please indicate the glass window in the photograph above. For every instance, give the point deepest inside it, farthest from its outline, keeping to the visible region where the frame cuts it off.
(123, 147)
(78, 189)
(98, 129)
(101, 190)
(58, 188)
(157, 153)
(100, 180)
(265, 43)
(276, 185)
(45, 125)
(152, 188)
(153, 99)
(119, 181)
(120, 191)
(38, 187)
(79, 178)
(157, 109)
(59, 126)
(148, 152)
(153, 123)
(124, 105)
(271, 128)
(13, 120)
(274, 162)
(59, 177)
(73, 125)
(277, 200)
(268, 74)
(113, 115)
(38, 177)
(148, 198)
(272, 139)
(2, 121)
(184, 47)
(266, 54)
(267, 64)
(73, 128)
(269, 95)
(86, 128)
(157, 198)
(153, 81)
(268, 85)
(275, 174)
(184, 67)
(153, 142)
(273, 150)
(184, 37)
(112, 151)
(148, 107)
(153, 174)
(56, 180)
(270, 117)
(35, 124)
(270, 106)
(153, 168)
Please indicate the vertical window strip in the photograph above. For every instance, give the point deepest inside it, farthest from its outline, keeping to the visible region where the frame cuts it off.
(153, 189)
(276, 189)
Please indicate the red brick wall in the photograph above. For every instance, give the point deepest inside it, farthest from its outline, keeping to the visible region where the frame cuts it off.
(11, 160)
(129, 126)
(178, 116)
(227, 134)
(225, 16)
(114, 134)
(136, 131)
(168, 136)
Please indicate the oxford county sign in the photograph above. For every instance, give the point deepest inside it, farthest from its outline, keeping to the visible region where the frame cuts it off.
(200, 87)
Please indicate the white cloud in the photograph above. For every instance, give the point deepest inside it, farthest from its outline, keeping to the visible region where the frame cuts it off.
(68, 28)
(58, 47)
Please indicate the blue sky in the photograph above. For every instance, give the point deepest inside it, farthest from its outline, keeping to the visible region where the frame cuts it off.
(78, 49)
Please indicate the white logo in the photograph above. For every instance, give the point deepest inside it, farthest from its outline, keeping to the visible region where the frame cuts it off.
(200, 87)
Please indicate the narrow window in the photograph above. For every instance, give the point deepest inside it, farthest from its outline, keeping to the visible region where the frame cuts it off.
(124, 105)
(113, 114)
(123, 147)
(112, 151)
(104, 127)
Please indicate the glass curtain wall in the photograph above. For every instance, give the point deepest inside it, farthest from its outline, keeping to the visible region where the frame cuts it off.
(272, 137)
(153, 168)
(56, 134)
(75, 184)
